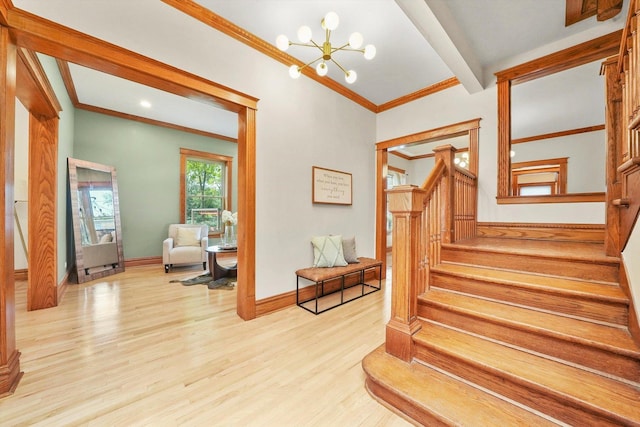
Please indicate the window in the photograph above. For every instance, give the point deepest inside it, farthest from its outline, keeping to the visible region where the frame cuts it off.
(205, 187)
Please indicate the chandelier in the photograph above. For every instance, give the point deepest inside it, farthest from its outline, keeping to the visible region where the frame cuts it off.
(329, 23)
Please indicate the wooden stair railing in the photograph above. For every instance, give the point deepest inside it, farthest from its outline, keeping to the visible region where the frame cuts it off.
(622, 121)
(441, 210)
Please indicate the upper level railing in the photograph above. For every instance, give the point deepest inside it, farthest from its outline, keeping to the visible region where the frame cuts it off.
(441, 210)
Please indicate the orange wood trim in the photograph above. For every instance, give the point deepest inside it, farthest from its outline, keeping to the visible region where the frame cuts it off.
(577, 10)
(504, 137)
(9, 355)
(246, 293)
(275, 303)
(382, 166)
(21, 274)
(5, 5)
(34, 89)
(213, 20)
(565, 59)
(437, 87)
(593, 233)
(437, 134)
(395, 169)
(137, 262)
(434, 176)
(607, 9)
(399, 154)
(543, 162)
(43, 158)
(558, 134)
(557, 198)
(52, 39)
(153, 122)
(65, 72)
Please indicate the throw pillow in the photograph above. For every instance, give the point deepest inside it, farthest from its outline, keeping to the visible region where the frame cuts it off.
(327, 251)
(188, 236)
(106, 238)
(349, 250)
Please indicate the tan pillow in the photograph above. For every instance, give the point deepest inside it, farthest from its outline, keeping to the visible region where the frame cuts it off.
(188, 236)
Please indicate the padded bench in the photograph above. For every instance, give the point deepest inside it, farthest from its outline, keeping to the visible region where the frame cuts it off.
(346, 292)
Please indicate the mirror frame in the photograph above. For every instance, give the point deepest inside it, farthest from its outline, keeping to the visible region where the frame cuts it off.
(584, 53)
(83, 273)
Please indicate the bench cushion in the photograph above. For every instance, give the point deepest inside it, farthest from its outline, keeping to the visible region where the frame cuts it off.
(318, 274)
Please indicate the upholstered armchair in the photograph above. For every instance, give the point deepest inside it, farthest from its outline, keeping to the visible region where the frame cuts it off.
(186, 244)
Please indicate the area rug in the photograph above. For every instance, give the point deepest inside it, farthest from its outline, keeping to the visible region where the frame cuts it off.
(224, 283)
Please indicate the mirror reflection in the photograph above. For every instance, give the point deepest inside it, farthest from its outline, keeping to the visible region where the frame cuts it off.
(96, 220)
(554, 117)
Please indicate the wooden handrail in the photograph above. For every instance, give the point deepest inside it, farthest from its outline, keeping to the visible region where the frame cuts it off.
(436, 173)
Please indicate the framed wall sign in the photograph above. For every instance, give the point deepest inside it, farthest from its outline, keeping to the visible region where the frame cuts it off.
(331, 187)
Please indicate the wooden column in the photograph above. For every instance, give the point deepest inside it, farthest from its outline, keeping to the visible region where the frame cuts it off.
(447, 153)
(504, 137)
(613, 127)
(406, 203)
(381, 208)
(9, 355)
(246, 295)
(43, 195)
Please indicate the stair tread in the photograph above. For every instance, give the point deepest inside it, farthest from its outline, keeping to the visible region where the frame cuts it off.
(443, 395)
(580, 287)
(593, 252)
(575, 384)
(613, 338)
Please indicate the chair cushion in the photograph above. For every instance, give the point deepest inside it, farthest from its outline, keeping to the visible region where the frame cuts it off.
(327, 251)
(188, 236)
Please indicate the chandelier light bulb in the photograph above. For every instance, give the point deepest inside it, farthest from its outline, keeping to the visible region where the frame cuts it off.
(304, 34)
(369, 51)
(350, 76)
(330, 21)
(282, 42)
(355, 40)
(456, 160)
(294, 71)
(512, 153)
(322, 69)
(463, 164)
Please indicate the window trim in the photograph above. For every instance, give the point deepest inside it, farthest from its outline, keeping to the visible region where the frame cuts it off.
(186, 153)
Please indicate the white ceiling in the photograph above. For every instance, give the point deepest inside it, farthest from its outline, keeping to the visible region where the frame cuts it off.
(419, 43)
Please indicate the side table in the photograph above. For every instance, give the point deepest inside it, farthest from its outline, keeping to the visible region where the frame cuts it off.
(217, 271)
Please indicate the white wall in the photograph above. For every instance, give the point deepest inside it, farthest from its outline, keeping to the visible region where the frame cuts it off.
(631, 255)
(21, 188)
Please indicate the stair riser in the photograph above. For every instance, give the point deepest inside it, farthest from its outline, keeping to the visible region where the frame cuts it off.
(575, 352)
(601, 272)
(572, 305)
(532, 395)
(392, 400)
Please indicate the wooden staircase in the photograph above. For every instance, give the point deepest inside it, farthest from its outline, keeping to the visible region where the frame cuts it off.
(517, 332)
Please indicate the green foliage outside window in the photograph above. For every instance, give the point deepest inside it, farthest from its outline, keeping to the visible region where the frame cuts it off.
(205, 188)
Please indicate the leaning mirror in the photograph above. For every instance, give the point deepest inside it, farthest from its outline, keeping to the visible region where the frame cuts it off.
(97, 235)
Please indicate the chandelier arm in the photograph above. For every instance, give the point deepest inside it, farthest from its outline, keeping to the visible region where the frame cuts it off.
(314, 44)
(339, 66)
(309, 63)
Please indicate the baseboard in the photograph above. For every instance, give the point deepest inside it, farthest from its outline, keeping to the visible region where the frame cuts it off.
(275, 303)
(588, 233)
(135, 262)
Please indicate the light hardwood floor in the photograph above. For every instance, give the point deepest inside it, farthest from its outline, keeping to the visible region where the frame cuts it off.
(138, 350)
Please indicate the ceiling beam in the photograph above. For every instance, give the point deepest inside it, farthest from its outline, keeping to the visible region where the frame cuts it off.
(435, 22)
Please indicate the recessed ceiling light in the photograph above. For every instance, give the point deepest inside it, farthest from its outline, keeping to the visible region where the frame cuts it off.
(145, 104)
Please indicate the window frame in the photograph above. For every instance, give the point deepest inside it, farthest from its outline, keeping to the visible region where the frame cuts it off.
(188, 154)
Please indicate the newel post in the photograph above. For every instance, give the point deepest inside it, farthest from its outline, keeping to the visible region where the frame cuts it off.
(447, 153)
(406, 204)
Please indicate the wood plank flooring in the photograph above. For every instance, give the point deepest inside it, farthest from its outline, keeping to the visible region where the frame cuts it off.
(135, 349)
